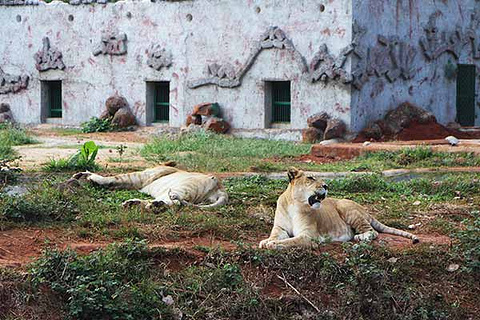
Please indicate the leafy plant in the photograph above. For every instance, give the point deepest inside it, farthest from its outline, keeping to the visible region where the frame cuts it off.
(84, 159)
(98, 125)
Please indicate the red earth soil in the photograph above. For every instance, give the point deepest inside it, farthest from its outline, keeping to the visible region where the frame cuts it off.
(18, 247)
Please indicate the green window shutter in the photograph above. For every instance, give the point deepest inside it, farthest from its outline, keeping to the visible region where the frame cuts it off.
(161, 108)
(55, 99)
(281, 101)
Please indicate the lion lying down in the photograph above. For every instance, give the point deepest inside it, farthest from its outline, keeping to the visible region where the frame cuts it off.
(167, 185)
(304, 217)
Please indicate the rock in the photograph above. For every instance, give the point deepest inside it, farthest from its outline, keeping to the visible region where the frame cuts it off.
(115, 103)
(367, 143)
(124, 118)
(453, 267)
(194, 119)
(404, 114)
(416, 203)
(336, 128)
(454, 125)
(330, 141)
(217, 125)
(105, 115)
(452, 140)
(373, 131)
(4, 107)
(318, 121)
(168, 300)
(312, 135)
(392, 260)
(206, 109)
(6, 117)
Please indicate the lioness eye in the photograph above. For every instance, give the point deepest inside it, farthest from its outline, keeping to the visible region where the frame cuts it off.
(311, 178)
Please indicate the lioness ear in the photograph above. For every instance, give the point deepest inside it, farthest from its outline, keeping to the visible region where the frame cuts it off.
(293, 173)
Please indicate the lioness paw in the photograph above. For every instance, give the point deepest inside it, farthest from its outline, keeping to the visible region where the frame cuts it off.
(263, 243)
(81, 175)
(131, 203)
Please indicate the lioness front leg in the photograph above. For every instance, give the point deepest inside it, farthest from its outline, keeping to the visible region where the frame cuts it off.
(303, 241)
(277, 233)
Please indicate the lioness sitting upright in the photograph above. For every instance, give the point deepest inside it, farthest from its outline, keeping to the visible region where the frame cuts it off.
(305, 217)
(167, 185)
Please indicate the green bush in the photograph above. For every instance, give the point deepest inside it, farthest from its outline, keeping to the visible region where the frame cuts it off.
(108, 284)
(98, 125)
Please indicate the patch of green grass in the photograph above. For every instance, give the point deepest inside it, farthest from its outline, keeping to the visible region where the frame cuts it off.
(469, 248)
(11, 135)
(98, 125)
(205, 151)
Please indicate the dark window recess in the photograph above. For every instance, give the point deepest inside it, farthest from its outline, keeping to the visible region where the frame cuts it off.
(466, 95)
(281, 103)
(161, 103)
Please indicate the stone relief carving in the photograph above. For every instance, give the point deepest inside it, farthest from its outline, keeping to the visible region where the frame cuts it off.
(19, 2)
(12, 84)
(325, 66)
(48, 57)
(112, 44)
(158, 57)
(436, 43)
(225, 76)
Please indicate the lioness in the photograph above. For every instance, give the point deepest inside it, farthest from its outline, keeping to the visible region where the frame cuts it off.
(167, 185)
(304, 217)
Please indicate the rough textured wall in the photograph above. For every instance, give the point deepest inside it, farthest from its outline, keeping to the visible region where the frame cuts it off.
(186, 37)
(429, 88)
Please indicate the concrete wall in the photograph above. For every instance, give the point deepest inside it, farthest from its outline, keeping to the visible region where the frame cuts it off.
(219, 31)
(429, 88)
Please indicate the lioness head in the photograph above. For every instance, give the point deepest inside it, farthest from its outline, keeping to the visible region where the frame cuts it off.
(306, 188)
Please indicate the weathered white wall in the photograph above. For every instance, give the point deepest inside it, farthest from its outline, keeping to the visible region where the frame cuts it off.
(220, 31)
(429, 88)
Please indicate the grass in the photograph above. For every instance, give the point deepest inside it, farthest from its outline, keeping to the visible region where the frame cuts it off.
(205, 151)
(208, 152)
(11, 135)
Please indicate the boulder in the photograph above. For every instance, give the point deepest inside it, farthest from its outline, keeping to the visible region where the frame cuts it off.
(336, 128)
(403, 116)
(124, 118)
(115, 103)
(373, 131)
(217, 125)
(194, 119)
(4, 107)
(105, 115)
(312, 135)
(5, 113)
(206, 109)
(318, 121)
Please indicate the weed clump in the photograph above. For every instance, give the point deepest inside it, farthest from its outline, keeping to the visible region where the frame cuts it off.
(107, 284)
(11, 135)
(84, 159)
(469, 247)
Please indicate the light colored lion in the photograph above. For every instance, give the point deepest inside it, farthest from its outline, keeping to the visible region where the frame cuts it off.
(167, 185)
(305, 217)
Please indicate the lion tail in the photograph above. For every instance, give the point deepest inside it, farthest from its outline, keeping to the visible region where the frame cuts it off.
(380, 227)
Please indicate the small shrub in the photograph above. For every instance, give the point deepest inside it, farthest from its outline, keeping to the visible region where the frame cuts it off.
(84, 159)
(98, 125)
